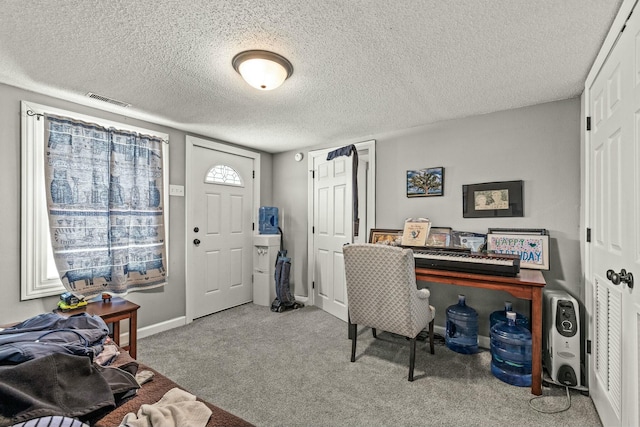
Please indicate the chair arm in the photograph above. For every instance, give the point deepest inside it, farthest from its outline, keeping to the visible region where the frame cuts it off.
(423, 293)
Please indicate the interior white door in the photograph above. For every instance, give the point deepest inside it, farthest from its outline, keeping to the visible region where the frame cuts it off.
(614, 100)
(333, 228)
(220, 234)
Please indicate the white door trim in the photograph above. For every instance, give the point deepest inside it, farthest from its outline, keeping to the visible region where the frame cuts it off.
(370, 146)
(190, 143)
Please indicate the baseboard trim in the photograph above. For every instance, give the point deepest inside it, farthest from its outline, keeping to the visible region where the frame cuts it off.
(484, 342)
(156, 328)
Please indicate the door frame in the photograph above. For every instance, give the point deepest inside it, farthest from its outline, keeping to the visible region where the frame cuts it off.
(370, 146)
(585, 149)
(190, 143)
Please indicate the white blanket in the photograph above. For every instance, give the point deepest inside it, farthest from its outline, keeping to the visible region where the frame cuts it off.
(177, 408)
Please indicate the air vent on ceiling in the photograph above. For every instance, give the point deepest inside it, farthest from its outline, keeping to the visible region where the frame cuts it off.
(107, 99)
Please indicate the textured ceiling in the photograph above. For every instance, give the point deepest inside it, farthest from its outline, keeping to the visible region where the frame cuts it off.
(361, 68)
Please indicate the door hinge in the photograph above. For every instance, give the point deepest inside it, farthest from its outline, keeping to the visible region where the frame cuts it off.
(252, 278)
(253, 174)
(253, 226)
(588, 346)
(626, 21)
(313, 230)
(588, 235)
(313, 285)
(588, 122)
(313, 174)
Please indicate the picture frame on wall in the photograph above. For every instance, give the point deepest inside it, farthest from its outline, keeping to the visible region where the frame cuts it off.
(492, 199)
(425, 182)
(385, 236)
(532, 245)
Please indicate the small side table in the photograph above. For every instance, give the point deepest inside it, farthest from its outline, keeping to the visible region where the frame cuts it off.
(112, 312)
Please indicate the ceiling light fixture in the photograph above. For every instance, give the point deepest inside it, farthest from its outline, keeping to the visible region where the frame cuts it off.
(262, 69)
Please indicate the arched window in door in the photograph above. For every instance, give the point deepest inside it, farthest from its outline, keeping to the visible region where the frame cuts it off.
(223, 174)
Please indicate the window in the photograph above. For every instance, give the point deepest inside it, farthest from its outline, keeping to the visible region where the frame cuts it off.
(222, 174)
(39, 276)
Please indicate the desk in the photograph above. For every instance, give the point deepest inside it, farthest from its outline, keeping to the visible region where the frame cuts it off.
(527, 285)
(114, 311)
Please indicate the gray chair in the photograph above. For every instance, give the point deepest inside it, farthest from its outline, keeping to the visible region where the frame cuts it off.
(382, 294)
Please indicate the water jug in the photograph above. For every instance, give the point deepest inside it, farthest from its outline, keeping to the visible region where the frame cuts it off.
(501, 316)
(511, 352)
(268, 220)
(462, 328)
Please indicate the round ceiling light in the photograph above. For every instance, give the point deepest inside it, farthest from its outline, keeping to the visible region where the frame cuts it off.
(262, 69)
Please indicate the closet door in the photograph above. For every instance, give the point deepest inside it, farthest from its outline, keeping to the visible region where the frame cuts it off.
(614, 192)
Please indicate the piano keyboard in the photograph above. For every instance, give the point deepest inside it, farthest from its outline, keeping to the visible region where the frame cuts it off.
(468, 262)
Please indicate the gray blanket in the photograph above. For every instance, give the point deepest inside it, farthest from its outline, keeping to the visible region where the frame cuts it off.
(60, 384)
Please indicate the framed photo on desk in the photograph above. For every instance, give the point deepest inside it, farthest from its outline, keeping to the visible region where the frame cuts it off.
(385, 236)
(439, 237)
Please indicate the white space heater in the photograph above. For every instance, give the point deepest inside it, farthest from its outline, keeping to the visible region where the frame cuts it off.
(561, 338)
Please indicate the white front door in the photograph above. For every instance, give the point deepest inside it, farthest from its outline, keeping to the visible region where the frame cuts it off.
(614, 191)
(333, 224)
(219, 230)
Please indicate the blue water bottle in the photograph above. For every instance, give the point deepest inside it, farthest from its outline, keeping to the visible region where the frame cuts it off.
(268, 220)
(511, 352)
(501, 316)
(461, 333)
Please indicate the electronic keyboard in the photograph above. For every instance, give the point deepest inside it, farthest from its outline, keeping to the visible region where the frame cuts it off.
(468, 262)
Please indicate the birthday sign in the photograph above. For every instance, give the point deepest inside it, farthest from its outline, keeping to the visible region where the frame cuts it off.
(533, 249)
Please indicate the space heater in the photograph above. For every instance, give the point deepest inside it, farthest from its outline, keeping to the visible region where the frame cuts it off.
(561, 338)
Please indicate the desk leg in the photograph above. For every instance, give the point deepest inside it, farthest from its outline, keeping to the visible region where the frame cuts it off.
(536, 341)
(133, 334)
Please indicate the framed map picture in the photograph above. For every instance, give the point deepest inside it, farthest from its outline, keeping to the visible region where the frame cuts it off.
(492, 199)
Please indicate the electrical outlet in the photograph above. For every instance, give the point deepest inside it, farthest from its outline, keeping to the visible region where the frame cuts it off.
(176, 190)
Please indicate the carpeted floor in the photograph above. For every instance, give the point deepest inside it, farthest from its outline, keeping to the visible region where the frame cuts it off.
(293, 369)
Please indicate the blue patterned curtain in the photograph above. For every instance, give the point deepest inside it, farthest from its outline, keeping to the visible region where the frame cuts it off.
(106, 208)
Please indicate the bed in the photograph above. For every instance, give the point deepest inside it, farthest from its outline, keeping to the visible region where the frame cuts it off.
(65, 380)
(151, 392)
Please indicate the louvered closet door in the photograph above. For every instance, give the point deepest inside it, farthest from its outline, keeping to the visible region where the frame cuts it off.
(615, 197)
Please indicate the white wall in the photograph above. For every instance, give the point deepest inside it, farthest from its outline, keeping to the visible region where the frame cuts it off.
(539, 145)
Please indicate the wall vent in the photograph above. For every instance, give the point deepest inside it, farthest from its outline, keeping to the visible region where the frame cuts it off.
(107, 99)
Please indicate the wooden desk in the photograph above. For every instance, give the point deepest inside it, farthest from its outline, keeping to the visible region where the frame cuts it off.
(113, 312)
(527, 285)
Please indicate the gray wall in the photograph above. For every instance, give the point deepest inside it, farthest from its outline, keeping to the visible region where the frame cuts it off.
(539, 145)
(157, 305)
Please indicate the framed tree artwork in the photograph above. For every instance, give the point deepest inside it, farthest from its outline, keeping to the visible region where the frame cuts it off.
(425, 182)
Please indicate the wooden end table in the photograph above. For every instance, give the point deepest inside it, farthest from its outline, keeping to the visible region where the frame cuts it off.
(112, 312)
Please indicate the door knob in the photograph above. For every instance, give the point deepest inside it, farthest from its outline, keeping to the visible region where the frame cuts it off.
(196, 242)
(623, 277)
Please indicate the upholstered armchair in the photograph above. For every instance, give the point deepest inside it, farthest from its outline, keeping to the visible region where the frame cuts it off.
(382, 294)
